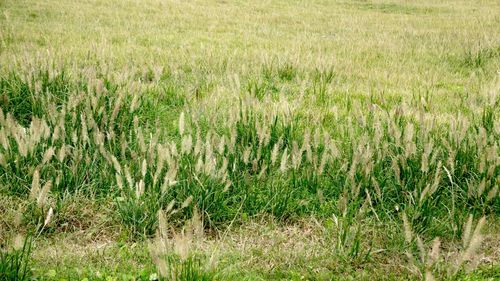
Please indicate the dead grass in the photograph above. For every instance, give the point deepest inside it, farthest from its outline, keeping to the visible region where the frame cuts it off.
(259, 249)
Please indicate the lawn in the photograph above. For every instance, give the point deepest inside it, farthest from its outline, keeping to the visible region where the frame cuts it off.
(249, 140)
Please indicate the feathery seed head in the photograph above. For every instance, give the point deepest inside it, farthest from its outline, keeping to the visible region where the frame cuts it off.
(284, 159)
(49, 153)
(187, 202)
(181, 124)
(35, 185)
(42, 195)
(407, 229)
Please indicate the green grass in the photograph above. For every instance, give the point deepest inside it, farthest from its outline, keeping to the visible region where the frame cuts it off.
(396, 8)
(350, 134)
(14, 263)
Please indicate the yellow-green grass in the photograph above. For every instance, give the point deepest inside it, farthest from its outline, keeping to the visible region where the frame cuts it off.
(258, 250)
(444, 52)
(315, 139)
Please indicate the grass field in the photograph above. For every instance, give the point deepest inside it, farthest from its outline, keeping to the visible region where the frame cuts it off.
(249, 140)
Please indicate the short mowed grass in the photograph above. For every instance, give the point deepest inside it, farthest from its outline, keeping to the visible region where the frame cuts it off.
(261, 140)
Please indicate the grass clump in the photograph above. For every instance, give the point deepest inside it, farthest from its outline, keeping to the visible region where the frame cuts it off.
(183, 264)
(15, 262)
(256, 163)
(477, 59)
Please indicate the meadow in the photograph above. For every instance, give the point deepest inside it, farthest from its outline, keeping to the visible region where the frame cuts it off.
(249, 140)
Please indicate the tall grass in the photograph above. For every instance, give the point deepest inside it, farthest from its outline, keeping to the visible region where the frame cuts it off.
(90, 135)
(87, 134)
